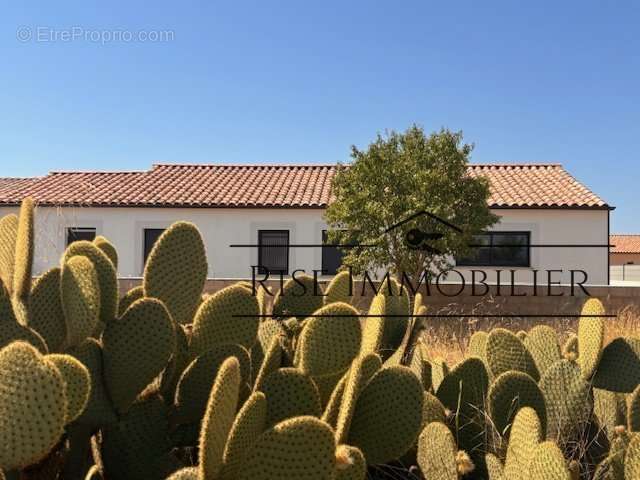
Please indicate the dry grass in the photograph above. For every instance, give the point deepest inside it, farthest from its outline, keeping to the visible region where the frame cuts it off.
(448, 338)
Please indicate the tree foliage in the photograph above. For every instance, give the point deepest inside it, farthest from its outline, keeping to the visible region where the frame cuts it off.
(398, 175)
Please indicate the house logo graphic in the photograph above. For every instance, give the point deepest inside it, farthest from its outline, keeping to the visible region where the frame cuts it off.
(416, 238)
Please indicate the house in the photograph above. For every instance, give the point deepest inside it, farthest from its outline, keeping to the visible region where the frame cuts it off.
(624, 258)
(244, 210)
(625, 249)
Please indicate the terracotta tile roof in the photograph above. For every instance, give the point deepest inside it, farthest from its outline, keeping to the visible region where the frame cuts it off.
(625, 243)
(294, 186)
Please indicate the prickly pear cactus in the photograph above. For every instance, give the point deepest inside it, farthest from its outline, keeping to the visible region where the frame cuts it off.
(548, 463)
(176, 270)
(568, 399)
(107, 247)
(506, 352)
(299, 297)
(45, 313)
(136, 293)
(339, 289)
(330, 340)
(464, 388)
(590, 337)
(32, 396)
(218, 418)
(290, 393)
(384, 434)
(107, 277)
(80, 294)
(373, 325)
(23, 265)
(230, 315)
(526, 434)
(136, 348)
(196, 381)
(300, 447)
(359, 375)
(77, 383)
(510, 392)
(350, 463)
(437, 452)
(248, 425)
(542, 343)
(619, 366)
(8, 234)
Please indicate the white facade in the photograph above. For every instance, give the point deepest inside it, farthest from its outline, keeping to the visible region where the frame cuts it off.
(222, 227)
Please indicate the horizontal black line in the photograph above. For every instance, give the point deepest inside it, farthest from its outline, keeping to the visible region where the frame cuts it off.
(304, 245)
(339, 245)
(444, 315)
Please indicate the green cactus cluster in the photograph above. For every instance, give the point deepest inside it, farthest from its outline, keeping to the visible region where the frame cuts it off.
(165, 382)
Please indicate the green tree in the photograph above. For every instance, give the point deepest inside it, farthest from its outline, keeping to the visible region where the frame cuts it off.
(397, 175)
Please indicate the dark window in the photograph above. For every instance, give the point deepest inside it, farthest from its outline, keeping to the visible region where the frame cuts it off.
(150, 237)
(80, 233)
(498, 249)
(331, 257)
(273, 251)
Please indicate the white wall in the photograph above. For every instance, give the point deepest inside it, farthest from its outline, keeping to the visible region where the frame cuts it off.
(223, 227)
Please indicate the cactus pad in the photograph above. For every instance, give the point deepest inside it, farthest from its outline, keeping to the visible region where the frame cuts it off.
(302, 448)
(359, 375)
(197, 380)
(24, 252)
(32, 397)
(339, 289)
(176, 270)
(373, 325)
(80, 294)
(384, 434)
(136, 349)
(548, 463)
(290, 393)
(542, 343)
(632, 458)
(568, 398)
(107, 277)
(8, 233)
(297, 298)
(45, 313)
(478, 345)
(437, 452)
(511, 391)
(109, 250)
(248, 425)
(507, 352)
(525, 436)
(77, 383)
(98, 410)
(330, 340)
(128, 298)
(464, 388)
(231, 315)
(350, 463)
(619, 366)
(590, 337)
(218, 418)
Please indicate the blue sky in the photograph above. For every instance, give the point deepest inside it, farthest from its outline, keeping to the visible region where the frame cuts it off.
(284, 82)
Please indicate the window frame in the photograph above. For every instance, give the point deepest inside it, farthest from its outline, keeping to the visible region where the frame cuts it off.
(322, 250)
(81, 230)
(145, 253)
(260, 246)
(491, 263)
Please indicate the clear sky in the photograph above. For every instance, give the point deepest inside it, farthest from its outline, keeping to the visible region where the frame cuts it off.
(288, 82)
